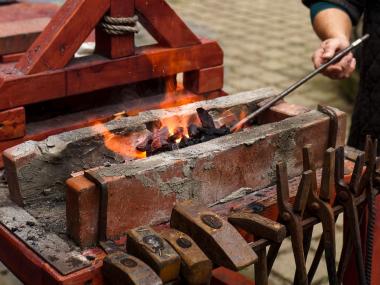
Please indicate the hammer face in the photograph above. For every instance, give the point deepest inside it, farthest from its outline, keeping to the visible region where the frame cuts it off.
(120, 268)
(215, 236)
(150, 247)
(195, 266)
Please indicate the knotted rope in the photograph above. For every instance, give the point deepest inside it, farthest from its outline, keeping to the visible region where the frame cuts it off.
(120, 26)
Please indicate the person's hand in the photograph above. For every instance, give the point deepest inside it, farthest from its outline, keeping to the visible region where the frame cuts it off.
(341, 70)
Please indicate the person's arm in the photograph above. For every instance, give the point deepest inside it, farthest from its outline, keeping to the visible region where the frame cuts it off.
(332, 22)
(334, 26)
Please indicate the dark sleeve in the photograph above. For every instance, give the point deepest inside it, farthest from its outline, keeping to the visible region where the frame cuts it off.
(354, 8)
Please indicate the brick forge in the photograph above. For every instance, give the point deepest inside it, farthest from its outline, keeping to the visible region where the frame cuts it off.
(37, 171)
(105, 202)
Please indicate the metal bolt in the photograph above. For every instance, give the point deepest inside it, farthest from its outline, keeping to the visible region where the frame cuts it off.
(184, 243)
(127, 262)
(212, 221)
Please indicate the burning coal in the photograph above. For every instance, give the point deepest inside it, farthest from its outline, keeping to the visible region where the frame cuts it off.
(173, 136)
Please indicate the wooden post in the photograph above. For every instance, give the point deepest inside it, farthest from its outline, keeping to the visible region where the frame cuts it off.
(117, 46)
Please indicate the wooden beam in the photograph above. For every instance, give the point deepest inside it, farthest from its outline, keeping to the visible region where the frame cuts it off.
(164, 25)
(18, 36)
(204, 80)
(63, 36)
(12, 124)
(94, 74)
(117, 46)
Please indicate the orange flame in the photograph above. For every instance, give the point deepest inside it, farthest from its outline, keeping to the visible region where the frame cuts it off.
(123, 145)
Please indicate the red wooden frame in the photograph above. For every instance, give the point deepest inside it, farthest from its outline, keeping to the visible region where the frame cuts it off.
(48, 69)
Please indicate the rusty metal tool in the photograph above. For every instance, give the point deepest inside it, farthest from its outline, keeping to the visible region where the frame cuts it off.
(262, 228)
(346, 197)
(259, 226)
(326, 215)
(120, 268)
(372, 145)
(299, 83)
(196, 267)
(221, 242)
(150, 247)
(298, 207)
(292, 221)
(333, 126)
(318, 206)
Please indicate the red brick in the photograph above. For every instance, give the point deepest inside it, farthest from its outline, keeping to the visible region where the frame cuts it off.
(82, 216)
(143, 191)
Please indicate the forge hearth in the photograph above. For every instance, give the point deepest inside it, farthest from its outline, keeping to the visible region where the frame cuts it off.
(114, 187)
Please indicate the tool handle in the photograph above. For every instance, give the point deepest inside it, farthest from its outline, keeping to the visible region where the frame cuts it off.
(299, 83)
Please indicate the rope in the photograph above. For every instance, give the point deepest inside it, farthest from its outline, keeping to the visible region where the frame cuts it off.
(119, 26)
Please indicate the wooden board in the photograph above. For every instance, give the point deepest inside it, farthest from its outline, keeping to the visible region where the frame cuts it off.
(68, 29)
(12, 124)
(18, 36)
(94, 73)
(55, 251)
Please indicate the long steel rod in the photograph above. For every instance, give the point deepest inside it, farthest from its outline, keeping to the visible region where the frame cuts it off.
(299, 83)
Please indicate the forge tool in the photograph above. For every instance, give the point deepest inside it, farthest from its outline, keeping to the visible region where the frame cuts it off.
(291, 217)
(346, 195)
(299, 83)
(319, 206)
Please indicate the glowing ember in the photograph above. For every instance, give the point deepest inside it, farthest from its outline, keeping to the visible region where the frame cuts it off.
(122, 145)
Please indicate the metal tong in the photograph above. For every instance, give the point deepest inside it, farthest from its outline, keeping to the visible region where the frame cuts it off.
(319, 206)
(291, 217)
(346, 197)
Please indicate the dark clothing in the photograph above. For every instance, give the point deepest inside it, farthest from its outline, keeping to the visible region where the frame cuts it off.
(366, 117)
(316, 8)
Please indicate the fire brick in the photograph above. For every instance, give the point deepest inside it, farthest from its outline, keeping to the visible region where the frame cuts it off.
(143, 191)
(80, 196)
(31, 167)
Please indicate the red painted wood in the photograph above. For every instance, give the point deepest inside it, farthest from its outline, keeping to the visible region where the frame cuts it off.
(95, 74)
(17, 36)
(23, 11)
(10, 57)
(224, 276)
(32, 270)
(149, 62)
(204, 80)
(164, 24)
(12, 124)
(68, 29)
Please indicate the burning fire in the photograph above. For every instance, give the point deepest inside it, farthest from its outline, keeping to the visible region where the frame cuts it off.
(122, 145)
(171, 133)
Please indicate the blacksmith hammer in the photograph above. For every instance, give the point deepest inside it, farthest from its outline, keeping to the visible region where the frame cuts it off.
(120, 268)
(221, 242)
(150, 247)
(196, 267)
